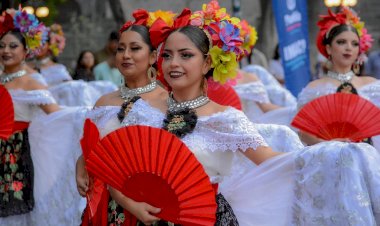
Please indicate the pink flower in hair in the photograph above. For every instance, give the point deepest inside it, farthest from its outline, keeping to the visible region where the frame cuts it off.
(365, 41)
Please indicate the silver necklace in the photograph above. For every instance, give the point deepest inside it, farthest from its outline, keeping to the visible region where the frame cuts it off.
(174, 106)
(5, 78)
(127, 93)
(341, 77)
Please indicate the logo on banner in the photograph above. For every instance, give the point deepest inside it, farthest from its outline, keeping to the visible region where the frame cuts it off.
(291, 4)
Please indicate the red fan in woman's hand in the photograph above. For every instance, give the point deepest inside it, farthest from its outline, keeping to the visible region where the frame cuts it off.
(97, 195)
(152, 165)
(339, 115)
(224, 95)
(6, 114)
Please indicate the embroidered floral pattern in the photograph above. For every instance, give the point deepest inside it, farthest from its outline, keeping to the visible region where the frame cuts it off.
(116, 215)
(15, 176)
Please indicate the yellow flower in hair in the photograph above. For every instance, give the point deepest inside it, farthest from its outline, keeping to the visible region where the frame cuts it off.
(224, 64)
(33, 42)
(235, 21)
(359, 26)
(167, 16)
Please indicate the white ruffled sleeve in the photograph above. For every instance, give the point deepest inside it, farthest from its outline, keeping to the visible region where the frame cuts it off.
(254, 91)
(230, 130)
(32, 97)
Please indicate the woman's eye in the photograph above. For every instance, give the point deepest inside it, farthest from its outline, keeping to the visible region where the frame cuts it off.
(187, 55)
(135, 48)
(165, 56)
(355, 44)
(340, 42)
(120, 49)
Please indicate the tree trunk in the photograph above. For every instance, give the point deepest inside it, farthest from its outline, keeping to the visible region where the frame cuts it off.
(117, 11)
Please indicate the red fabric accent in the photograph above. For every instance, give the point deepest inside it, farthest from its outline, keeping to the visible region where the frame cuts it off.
(159, 30)
(215, 187)
(326, 23)
(141, 18)
(6, 22)
(20, 126)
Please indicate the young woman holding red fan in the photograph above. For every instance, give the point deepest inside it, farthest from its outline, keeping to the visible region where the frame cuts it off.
(135, 58)
(344, 42)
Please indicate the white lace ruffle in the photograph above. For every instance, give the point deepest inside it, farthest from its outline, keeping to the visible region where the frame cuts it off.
(277, 93)
(254, 91)
(229, 130)
(55, 74)
(75, 93)
(337, 184)
(32, 97)
(101, 115)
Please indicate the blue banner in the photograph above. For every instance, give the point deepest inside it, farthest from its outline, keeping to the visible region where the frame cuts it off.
(291, 21)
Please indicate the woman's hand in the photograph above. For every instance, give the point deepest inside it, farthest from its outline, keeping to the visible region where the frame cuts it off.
(140, 210)
(144, 211)
(82, 178)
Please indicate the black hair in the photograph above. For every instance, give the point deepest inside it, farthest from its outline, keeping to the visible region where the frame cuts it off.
(335, 31)
(114, 36)
(144, 33)
(276, 54)
(81, 55)
(200, 40)
(18, 35)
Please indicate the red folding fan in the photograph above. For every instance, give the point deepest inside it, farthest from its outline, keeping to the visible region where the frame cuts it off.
(152, 165)
(224, 95)
(97, 195)
(6, 114)
(339, 115)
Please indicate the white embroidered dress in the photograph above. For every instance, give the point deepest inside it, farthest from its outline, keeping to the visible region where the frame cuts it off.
(54, 147)
(332, 183)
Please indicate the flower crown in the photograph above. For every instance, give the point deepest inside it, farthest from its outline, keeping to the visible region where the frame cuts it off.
(344, 16)
(249, 35)
(30, 28)
(57, 39)
(145, 18)
(227, 39)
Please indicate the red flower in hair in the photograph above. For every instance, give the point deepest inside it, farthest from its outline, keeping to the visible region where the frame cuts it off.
(6, 22)
(159, 30)
(141, 17)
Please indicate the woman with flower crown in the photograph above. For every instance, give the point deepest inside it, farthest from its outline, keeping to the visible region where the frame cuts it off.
(37, 186)
(135, 58)
(66, 91)
(342, 39)
(16, 177)
(332, 183)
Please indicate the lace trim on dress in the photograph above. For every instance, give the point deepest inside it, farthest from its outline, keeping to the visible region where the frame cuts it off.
(32, 97)
(229, 130)
(102, 114)
(254, 91)
(142, 113)
(310, 93)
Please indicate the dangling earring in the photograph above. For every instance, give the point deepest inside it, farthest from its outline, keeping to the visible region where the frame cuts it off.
(204, 87)
(329, 63)
(356, 68)
(152, 73)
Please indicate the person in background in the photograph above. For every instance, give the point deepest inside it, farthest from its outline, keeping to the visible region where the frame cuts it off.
(108, 71)
(275, 66)
(109, 49)
(85, 66)
(372, 66)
